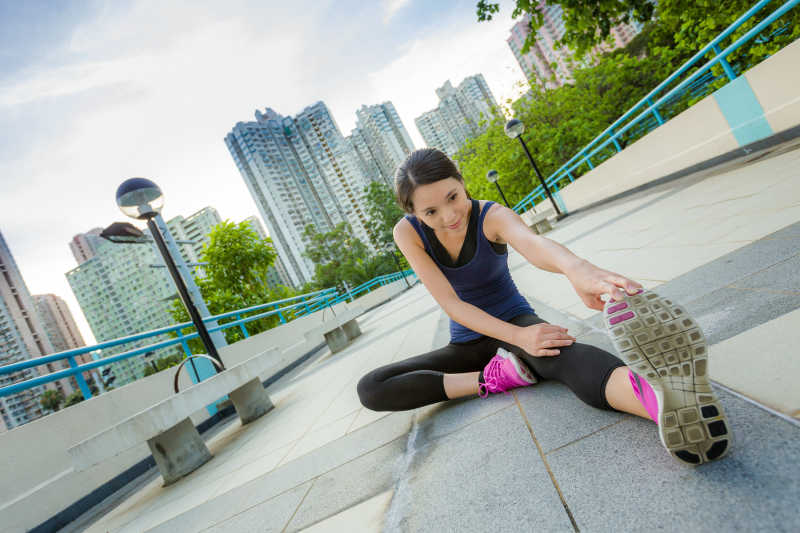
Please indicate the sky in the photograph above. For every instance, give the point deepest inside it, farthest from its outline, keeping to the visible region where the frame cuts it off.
(92, 93)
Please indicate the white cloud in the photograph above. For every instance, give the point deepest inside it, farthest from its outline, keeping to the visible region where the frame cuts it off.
(151, 90)
(391, 7)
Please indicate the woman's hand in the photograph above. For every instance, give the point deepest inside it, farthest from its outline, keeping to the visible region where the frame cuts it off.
(542, 339)
(591, 282)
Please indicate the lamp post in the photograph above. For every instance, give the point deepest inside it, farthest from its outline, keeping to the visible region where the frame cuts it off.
(492, 176)
(142, 199)
(390, 249)
(514, 129)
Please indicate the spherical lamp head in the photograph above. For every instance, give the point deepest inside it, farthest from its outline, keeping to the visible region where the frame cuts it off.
(514, 128)
(492, 176)
(140, 198)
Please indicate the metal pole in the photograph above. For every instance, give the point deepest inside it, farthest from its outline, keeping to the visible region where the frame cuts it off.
(399, 268)
(176, 277)
(541, 179)
(501, 193)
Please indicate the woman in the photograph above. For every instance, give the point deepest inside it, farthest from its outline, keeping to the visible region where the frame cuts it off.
(458, 248)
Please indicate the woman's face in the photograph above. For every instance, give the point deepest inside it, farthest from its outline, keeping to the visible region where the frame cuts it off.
(442, 205)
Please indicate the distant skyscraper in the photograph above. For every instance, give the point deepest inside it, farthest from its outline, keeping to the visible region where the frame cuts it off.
(22, 337)
(546, 64)
(463, 113)
(276, 274)
(380, 140)
(121, 294)
(300, 171)
(60, 327)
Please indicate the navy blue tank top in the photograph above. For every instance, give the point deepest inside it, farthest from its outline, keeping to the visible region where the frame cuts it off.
(484, 281)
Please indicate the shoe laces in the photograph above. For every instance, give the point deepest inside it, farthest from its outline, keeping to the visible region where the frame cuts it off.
(491, 376)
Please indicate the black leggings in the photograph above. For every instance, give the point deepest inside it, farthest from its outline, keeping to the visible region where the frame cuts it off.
(418, 381)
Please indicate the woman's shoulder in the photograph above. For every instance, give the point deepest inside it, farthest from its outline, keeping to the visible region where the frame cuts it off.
(494, 220)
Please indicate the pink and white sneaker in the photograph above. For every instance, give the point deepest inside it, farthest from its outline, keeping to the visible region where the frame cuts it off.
(504, 372)
(666, 352)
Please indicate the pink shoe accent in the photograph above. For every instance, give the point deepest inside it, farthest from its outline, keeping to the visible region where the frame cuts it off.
(504, 372)
(621, 318)
(646, 395)
(618, 307)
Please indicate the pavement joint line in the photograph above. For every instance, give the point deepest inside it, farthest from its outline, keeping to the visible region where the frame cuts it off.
(313, 479)
(595, 432)
(783, 416)
(302, 500)
(546, 464)
(756, 289)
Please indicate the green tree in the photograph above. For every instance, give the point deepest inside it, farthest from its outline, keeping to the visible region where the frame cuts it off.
(236, 278)
(383, 212)
(52, 399)
(162, 363)
(340, 256)
(72, 399)
(679, 27)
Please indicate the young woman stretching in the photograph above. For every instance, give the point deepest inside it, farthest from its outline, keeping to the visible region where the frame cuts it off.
(458, 248)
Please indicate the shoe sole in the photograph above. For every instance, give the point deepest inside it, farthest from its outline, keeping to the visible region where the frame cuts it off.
(658, 340)
(521, 368)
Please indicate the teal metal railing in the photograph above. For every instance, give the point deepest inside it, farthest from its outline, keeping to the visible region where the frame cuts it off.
(286, 309)
(653, 110)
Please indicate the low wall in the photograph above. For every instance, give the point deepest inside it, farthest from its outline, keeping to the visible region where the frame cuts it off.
(36, 477)
(763, 102)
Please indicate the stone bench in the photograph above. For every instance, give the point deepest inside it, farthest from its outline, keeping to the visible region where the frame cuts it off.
(167, 427)
(338, 330)
(538, 222)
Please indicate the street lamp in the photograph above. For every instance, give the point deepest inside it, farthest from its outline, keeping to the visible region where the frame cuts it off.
(389, 247)
(514, 129)
(492, 176)
(142, 199)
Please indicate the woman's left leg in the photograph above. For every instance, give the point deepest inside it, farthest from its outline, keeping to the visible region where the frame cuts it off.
(597, 377)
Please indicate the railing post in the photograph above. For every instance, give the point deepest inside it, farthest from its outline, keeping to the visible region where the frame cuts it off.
(241, 326)
(589, 162)
(571, 177)
(655, 111)
(87, 393)
(725, 65)
(280, 315)
(614, 139)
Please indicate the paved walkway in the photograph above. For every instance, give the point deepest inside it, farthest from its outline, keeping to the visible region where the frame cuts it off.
(725, 245)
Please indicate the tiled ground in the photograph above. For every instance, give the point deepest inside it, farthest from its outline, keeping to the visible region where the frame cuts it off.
(726, 247)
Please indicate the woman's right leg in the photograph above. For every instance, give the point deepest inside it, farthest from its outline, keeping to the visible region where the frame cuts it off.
(436, 376)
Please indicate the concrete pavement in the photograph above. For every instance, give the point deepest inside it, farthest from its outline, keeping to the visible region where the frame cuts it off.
(725, 244)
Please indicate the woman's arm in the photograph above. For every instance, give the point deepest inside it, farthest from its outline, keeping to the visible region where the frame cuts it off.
(589, 281)
(541, 339)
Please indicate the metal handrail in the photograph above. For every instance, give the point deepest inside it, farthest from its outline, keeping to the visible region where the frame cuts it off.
(318, 299)
(584, 156)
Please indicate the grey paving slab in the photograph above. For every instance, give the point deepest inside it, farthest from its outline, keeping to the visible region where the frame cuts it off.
(783, 276)
(438, 420)
(558, 417)
(306, 467)
(267, 517)
(621, 478)
(487, 477)
(350, 484)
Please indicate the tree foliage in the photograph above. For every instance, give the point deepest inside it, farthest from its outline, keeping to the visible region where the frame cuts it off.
(679, 27)
(340, 256)
(236, 278)
(383, 212)
(51, 399)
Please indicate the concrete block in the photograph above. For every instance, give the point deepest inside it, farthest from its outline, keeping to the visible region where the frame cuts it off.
(336, 340)
(351, 329)
(251, 401)
(178, 451)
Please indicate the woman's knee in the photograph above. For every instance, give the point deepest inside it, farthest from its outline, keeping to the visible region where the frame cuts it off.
(368, 391)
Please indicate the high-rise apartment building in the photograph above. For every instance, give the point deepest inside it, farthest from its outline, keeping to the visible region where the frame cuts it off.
(300, 171)
(276, 274)
(463, 113)
(60, 328)
(22, 337)
(544, 63)
(122, 293)
(380, 141)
